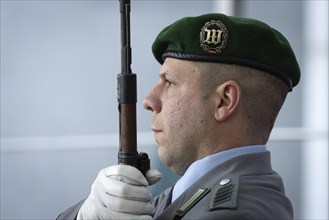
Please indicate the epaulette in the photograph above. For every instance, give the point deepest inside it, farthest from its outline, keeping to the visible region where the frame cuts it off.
(224, 194)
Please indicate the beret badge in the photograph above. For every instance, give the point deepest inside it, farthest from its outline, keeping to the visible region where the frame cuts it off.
(213, 36)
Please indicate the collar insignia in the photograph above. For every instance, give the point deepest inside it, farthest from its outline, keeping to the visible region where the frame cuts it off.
(202, 192)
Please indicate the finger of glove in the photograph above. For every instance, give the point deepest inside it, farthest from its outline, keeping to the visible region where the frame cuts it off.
(153, 176)
(126, 173)
(108, 205)
(120, 215)
(96, 194)
(108, 186)
(128, 206)
(91, 209)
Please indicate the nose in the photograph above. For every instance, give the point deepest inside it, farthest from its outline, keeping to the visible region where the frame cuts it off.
(152, 101)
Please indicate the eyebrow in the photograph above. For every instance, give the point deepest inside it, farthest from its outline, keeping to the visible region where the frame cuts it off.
(167, 73)
(164, 74)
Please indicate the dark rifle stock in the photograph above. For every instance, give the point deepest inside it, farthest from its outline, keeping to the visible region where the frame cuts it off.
(127, 99)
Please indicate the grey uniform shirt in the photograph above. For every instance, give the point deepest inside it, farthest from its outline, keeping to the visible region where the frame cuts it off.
(243, 187)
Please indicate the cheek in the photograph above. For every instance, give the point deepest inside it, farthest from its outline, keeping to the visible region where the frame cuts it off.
(177, 113)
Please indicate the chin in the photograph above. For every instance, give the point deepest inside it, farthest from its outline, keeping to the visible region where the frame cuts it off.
(161, 155)
(164, 157)
(176, 168)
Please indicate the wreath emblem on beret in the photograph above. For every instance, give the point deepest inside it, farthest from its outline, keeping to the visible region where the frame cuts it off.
(213, 36)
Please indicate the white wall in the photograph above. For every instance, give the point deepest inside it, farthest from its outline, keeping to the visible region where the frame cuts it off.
(315, 110)
(59, 61)
(59, 120)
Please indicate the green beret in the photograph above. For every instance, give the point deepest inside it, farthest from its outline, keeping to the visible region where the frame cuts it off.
(227, 39)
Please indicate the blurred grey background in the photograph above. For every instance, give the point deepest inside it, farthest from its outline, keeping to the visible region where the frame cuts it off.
(59, 119)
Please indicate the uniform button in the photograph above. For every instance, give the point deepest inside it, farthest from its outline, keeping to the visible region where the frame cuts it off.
(224, 182)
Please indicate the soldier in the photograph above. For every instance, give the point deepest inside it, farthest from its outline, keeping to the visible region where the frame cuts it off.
(222, 83)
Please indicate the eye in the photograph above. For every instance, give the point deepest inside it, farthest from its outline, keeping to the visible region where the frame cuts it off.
(168, 83)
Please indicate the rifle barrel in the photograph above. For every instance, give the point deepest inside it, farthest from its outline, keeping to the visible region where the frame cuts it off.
(127, 99)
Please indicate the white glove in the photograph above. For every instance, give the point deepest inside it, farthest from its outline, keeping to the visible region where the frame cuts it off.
(120, 192)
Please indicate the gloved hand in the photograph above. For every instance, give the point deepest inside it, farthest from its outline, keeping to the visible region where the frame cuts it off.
(120, 192)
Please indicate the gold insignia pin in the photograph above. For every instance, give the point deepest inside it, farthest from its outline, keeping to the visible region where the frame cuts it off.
(213, 36)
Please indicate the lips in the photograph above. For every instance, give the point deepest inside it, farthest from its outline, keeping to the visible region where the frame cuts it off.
(155, 130)
(156, 134)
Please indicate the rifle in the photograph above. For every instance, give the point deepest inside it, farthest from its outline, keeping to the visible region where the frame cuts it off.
(127, 99)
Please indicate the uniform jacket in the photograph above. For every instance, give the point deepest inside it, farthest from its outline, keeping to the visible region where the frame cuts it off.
(244, 187)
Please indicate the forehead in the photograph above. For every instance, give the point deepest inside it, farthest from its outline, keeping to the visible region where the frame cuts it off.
(179, 68)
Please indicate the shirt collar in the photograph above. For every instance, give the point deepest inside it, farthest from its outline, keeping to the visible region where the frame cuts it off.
(200, 167)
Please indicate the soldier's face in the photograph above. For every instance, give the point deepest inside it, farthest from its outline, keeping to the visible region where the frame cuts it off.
(180, 114)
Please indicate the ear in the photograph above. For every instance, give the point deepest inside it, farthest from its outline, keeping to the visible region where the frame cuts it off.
(228, 98)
